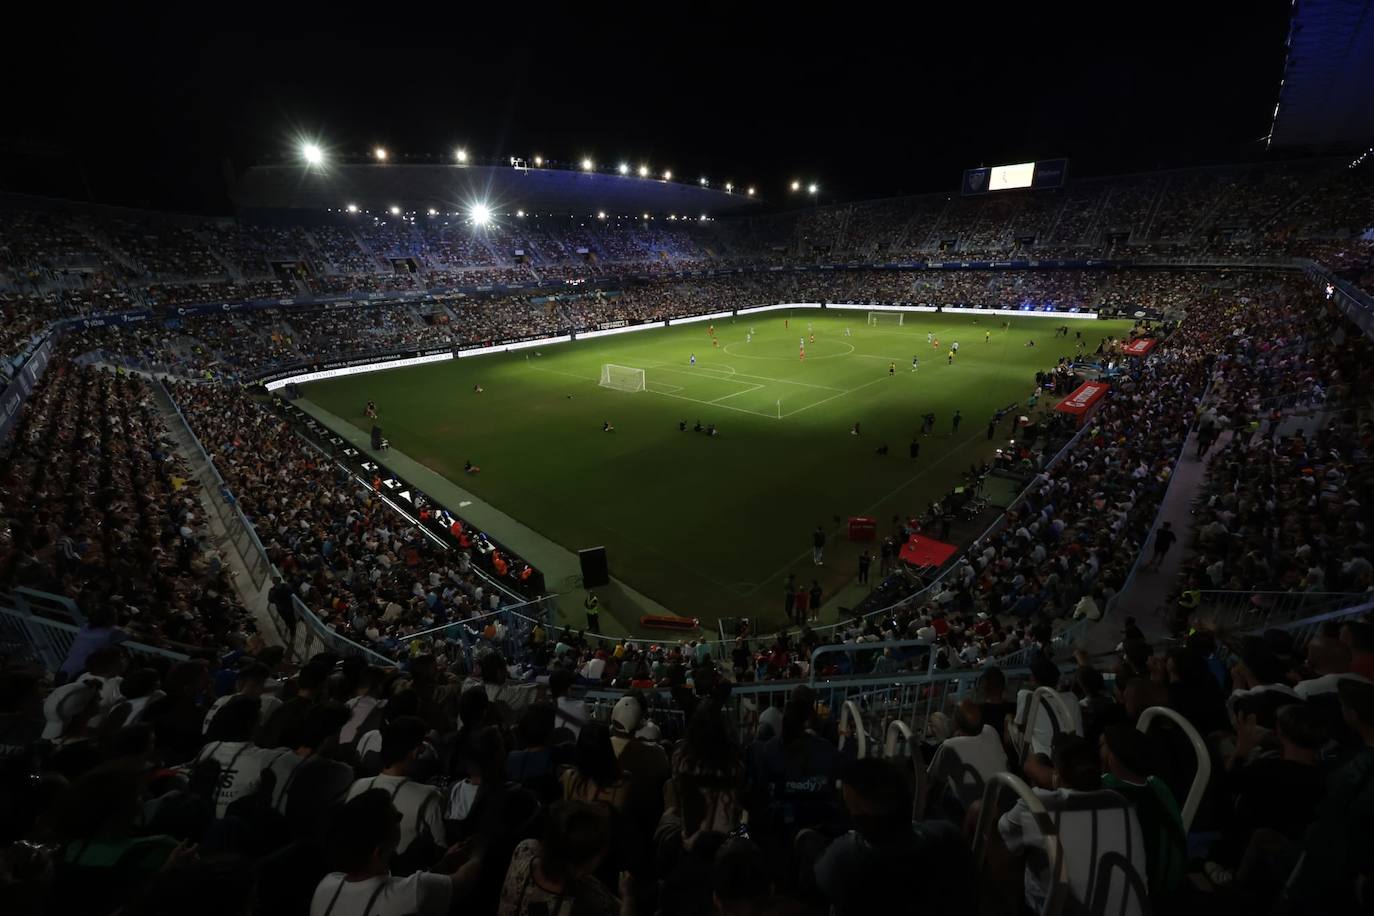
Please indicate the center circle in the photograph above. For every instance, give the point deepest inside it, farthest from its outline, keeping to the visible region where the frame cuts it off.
(782, 349)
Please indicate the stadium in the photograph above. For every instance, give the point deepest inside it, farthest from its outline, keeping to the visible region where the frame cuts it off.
(496, 526)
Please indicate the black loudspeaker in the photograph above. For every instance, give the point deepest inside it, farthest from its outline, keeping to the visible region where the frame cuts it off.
(376, 438)
(594, 574)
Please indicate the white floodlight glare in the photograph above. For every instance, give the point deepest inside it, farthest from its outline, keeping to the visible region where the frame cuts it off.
(587, 165)
(729, 187)
(380, 153)
(520, 213)
(667, 176)
(538, 161)
(481, 214)
(812, 188)
(796, 185)
(395, 211)
(352, 208)
(646, 216)
(643, 171)
(600, 214)
(623, 169)
(750, 192)
(433, 212)
(461, 155)
(312, 154)
(703, 182)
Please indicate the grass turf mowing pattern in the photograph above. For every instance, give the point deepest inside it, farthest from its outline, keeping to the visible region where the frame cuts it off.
(712, 526)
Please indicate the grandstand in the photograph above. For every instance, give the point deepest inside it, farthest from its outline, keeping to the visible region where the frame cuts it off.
(291, 500)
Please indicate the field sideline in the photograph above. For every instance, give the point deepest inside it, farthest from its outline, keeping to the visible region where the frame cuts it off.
(711, 526)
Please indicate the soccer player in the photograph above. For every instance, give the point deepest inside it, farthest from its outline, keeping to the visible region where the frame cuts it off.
(711, 330)
(715, 342)
(929, 337)
(694, 359)
(801, 342)
(935, 344)
(606, 427)
(848, 333)
(786, 323)
(802, 356)
(810, 328)
(813, 338)
(915, 363)
(987, 337)
(955, 345)
(749, 338)
(891, 368)
(951, 357)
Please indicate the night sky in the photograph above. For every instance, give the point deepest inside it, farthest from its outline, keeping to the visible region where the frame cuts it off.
(162, 113)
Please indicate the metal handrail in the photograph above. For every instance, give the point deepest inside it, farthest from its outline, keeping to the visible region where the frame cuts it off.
(849, 713)
(1203, 773)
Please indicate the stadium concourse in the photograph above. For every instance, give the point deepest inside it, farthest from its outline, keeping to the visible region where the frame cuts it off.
(227, 625)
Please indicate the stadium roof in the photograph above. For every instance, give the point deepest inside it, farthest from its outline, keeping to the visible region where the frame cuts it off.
(458, 187)
(1326, 101)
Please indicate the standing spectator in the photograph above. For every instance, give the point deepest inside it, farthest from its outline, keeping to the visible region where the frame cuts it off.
(815, 600)
(280, 598)
(865, 560)
(802, 603)
(569, 713)
(98, 632)
(956, 420)
(593, 606)
(789, 597)
(818, 546)
(1164, 539)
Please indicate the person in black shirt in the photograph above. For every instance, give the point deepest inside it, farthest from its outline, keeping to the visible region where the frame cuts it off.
(1164, 539)
(865, 559)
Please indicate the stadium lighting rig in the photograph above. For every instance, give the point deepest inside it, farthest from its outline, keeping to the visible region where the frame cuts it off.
(796, 185)
(623, 169)
(461, 155)
(812, 189)
(395, 211)
(352, 208)
(312, 154)
(703, 181)
(750, 192)
(668, 176)
(643, 171)
(588, 165)
(480, 214)
(379, 154)
(538, 161)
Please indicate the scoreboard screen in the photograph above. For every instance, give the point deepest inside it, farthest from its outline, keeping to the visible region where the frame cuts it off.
(1049, 173)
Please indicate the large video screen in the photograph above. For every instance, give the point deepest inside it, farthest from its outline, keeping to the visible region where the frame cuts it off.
(1047, 173)
(1005, 177)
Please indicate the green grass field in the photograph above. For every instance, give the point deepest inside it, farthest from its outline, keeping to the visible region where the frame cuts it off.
(707, 526)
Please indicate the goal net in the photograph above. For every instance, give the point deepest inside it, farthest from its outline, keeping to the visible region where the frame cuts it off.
(622, 378)
(877, 318)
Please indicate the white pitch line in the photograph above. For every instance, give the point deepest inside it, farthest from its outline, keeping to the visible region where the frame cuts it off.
(831, 398)
(735, 395)
(754, 413)
(665, 367)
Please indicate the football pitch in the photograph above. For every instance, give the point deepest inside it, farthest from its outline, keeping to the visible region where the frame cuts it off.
(711, 526)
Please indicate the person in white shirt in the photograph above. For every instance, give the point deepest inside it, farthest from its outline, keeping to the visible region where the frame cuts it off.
(1091, 823)
(1044, 673)
(364, 838)
(569, 713)
(965, 761)
(1329, 660)
(231, 755)
(252, 682)
(304, 781)
(421, 806)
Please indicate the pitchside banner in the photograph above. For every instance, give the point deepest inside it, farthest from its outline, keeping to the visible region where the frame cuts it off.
(1139, 347)
(1083, 399)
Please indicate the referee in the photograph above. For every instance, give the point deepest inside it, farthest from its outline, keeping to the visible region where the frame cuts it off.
(593, 607)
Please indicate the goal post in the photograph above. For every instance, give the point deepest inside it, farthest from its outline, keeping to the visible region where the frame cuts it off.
(622, 378)
(881, 318)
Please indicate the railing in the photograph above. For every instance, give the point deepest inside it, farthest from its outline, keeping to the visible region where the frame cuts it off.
(241, 533)
(1246, 610)
(43, 627)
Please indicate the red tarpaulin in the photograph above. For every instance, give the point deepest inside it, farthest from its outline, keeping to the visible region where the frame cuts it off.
(1139, 347)
(1083, 398)
(924, 551)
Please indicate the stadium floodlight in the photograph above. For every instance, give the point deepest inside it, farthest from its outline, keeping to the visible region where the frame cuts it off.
(433, 212)
(646, 216)
(729, 187)
(668, 176)
(380, 153)
(538, 161)
(703, 181)
(796, 185)
(461, 155)
(703, 217)
(600, 214)
(312, 154)
(643, 171)
(395, 211)
(623, 169)
(588, 165)
(352, 208)
(481, 214)
(750, 192)
(812, 188)
(520, 213)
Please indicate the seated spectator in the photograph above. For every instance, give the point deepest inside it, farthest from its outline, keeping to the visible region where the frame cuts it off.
(858, 872)
(595, 774)
(1091, 825)
(421, 807)
(1328, 663)
(1128, 769)
(557, 874)
(965, 761)
(364, 839)
(1044, 673)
